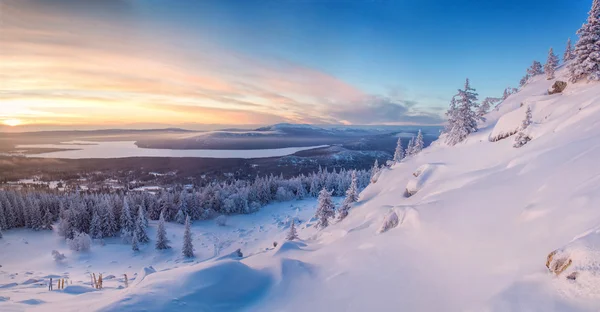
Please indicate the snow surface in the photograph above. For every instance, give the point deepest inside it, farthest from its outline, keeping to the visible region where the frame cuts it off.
(87, 150)
(474, 237)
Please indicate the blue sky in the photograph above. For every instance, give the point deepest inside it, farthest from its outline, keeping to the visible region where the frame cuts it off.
(263, 61)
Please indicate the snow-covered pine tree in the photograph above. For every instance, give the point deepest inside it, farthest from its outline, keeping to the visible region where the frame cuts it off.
(141, 225)
(188, 248)
(569, 53)
(451, 115)
(127, 222)
(524, 80)
(419, 144)
(352, 192)
(535, 69)
(374, 173)
(522, 138)
(292, 234)
(410, 146)
(351, 197)
(134, 243)
(325, 209)
(399, 152)
(47, 219)
(465, 116)
(162, 242)
(108, 220)
(96, 226)
(587, 48)
(551, 64)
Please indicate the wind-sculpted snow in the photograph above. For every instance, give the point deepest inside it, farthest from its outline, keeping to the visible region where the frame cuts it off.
(219, 286)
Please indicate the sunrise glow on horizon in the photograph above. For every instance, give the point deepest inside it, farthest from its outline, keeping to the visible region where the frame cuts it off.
(119, 62)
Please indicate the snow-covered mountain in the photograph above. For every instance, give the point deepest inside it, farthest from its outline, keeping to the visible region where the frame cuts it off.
(478, 224)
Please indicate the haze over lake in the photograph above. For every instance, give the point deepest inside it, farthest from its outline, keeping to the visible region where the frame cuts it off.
(86, 150)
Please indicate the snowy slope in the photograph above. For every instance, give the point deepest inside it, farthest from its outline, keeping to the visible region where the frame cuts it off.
(474, 234)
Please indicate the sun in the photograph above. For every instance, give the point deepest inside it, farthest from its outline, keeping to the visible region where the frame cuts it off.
(12, 122)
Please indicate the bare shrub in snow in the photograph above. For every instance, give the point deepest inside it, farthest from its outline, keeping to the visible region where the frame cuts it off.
(80, 242)
(391, 221)
(221, 220)
(58, 257)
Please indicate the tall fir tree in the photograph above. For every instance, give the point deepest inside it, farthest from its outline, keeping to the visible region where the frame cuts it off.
(522, 138)
(127, 221)
(325, 209)
(551, 64)
(188, 248)
(410, 147)
(419, 143)
(399, 152)
(141, 226)
(162, 242)
(351, 197)
(587, 49)
(465, 115)
(292, 234)
(374, 173)
(96, 226)
(569, 53)
(451, 115)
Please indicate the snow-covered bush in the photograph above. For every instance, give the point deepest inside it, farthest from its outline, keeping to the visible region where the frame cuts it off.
(391, 221)
(58, 257)
(283, 194)
(221, 220)
(80, 242)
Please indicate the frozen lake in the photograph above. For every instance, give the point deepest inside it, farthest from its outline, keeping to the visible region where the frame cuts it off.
(84, 149)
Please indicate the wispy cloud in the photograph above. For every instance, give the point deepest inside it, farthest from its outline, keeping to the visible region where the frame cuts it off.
(100, 68)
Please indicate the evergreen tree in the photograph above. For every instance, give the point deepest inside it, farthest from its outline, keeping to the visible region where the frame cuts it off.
(551, 64)
(95, 226)
(451, 115)
(522, 138)
(48, 219)
(109, 224)
(1, 234)
(161, 234)
(535, 69)
(410, 146)
(134, 243)
(524, 80)
(587, 48)
(374, 173)
(188, 248)
(352, 192)
(351, 197)
(292, 235)
(127, 221)
(419, 144)
(141, 225)
(399, 152)
(325, 209)
(569, 53)
(465, 116)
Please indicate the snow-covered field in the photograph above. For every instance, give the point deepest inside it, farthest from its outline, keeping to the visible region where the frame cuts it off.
(475, 232)
(27, 263)
(84, 150)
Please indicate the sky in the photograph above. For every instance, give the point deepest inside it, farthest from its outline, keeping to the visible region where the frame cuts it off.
(154, 63)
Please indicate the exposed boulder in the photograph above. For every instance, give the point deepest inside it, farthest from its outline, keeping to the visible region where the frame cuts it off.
(391, 221)
(557, 87)
(578, 259)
